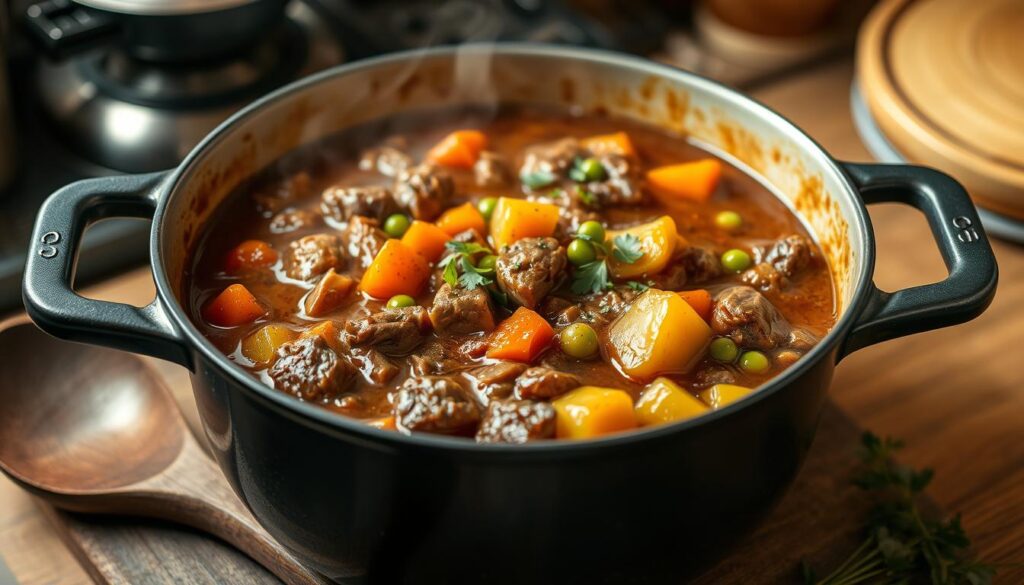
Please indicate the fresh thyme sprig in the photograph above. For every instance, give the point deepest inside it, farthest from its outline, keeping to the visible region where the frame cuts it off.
(903, 546)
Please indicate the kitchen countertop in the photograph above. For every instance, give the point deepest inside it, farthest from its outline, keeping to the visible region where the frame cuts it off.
(956, 396)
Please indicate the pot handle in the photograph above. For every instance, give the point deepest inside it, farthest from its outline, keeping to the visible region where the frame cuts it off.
(965, 249)
(50, 270)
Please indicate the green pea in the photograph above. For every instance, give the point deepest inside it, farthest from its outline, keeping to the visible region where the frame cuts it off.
(728, 220)
(724, 350)
(400, 301)
(593, 230)
(396, 224)
(488, 262)
(581, 252)
(754, 362)
(735, 260)
(486, 207)
(578, 340)
(592, 169)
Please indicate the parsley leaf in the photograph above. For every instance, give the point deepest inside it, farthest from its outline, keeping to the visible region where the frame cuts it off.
(471, 277)
(451, 274)
(905, 544)
(468, 248)
(627, 248)
(537, 179)
(591, 277)
(637, 286)
(577, 174)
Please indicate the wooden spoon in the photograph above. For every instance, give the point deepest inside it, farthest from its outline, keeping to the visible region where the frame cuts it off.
(93, 430)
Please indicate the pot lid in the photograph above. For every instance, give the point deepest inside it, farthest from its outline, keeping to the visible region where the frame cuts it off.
(943, 80)
(163, 7)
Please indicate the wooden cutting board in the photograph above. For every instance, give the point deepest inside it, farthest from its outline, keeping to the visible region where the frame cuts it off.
(819, 519)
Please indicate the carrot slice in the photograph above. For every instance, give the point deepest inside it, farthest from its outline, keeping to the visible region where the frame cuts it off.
(234, 306)
(327, 331)
(426, 239)
(521, 337)
(248, 255)
(396, 270)
(700, 300)
(459, 219)
(614, 143)
(693, 180)
(460, 149)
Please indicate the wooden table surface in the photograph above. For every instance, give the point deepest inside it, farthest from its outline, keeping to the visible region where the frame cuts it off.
(956, 396)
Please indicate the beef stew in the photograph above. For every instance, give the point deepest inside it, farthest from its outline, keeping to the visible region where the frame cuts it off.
(510, 277)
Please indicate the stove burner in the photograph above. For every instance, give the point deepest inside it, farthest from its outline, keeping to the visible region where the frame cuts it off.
(269, 65)
(131, 115)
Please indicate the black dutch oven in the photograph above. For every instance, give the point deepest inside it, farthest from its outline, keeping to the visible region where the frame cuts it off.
(361, 504)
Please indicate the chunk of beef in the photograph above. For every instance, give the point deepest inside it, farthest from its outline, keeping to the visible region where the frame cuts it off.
(491, 170)
(344, 203)
(424, 190)
(801, 339)
(495, 381)
(374, 365)
(284, 194)
(391, 331)
(712, 375)
(528, 269)
(788, 255)
(435, 357)
(750, 319)
(603, 307)
(621, 185)
(458, 311)
(544, 382)
(291, 220)
(561, 312)
(517, 421)
(310, 369)
(701, 264)
(365, 239)
(551, 158)
(778, 262)
(764, 277)
(435, 404)
(386, 160)
(313, 255)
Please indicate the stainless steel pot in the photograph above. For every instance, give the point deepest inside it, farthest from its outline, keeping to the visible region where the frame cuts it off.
(359, 503)
(171, 31)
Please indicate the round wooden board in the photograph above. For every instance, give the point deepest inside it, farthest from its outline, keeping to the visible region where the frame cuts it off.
(944, 79)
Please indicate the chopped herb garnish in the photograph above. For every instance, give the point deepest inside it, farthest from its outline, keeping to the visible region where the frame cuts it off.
(557, 193)
(577, 174)
(451, 274)
(471, 276)
(459, 257)
(586, 197)
(591, 277)
(638, 286)
(903, 544)
(537, 179)
(627, 248)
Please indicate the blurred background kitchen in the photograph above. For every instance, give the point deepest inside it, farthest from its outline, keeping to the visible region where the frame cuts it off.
(95, 87)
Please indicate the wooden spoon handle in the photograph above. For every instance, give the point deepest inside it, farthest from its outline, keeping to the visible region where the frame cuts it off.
(193, 491)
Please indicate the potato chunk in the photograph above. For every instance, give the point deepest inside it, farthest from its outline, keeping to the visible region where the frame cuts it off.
(659, 333)
(261, 346)
(591, 411)
(721, 395)
(658, 240)
(663, 401)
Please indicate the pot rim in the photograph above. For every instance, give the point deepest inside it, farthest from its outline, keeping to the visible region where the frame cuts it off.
(334, 423)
